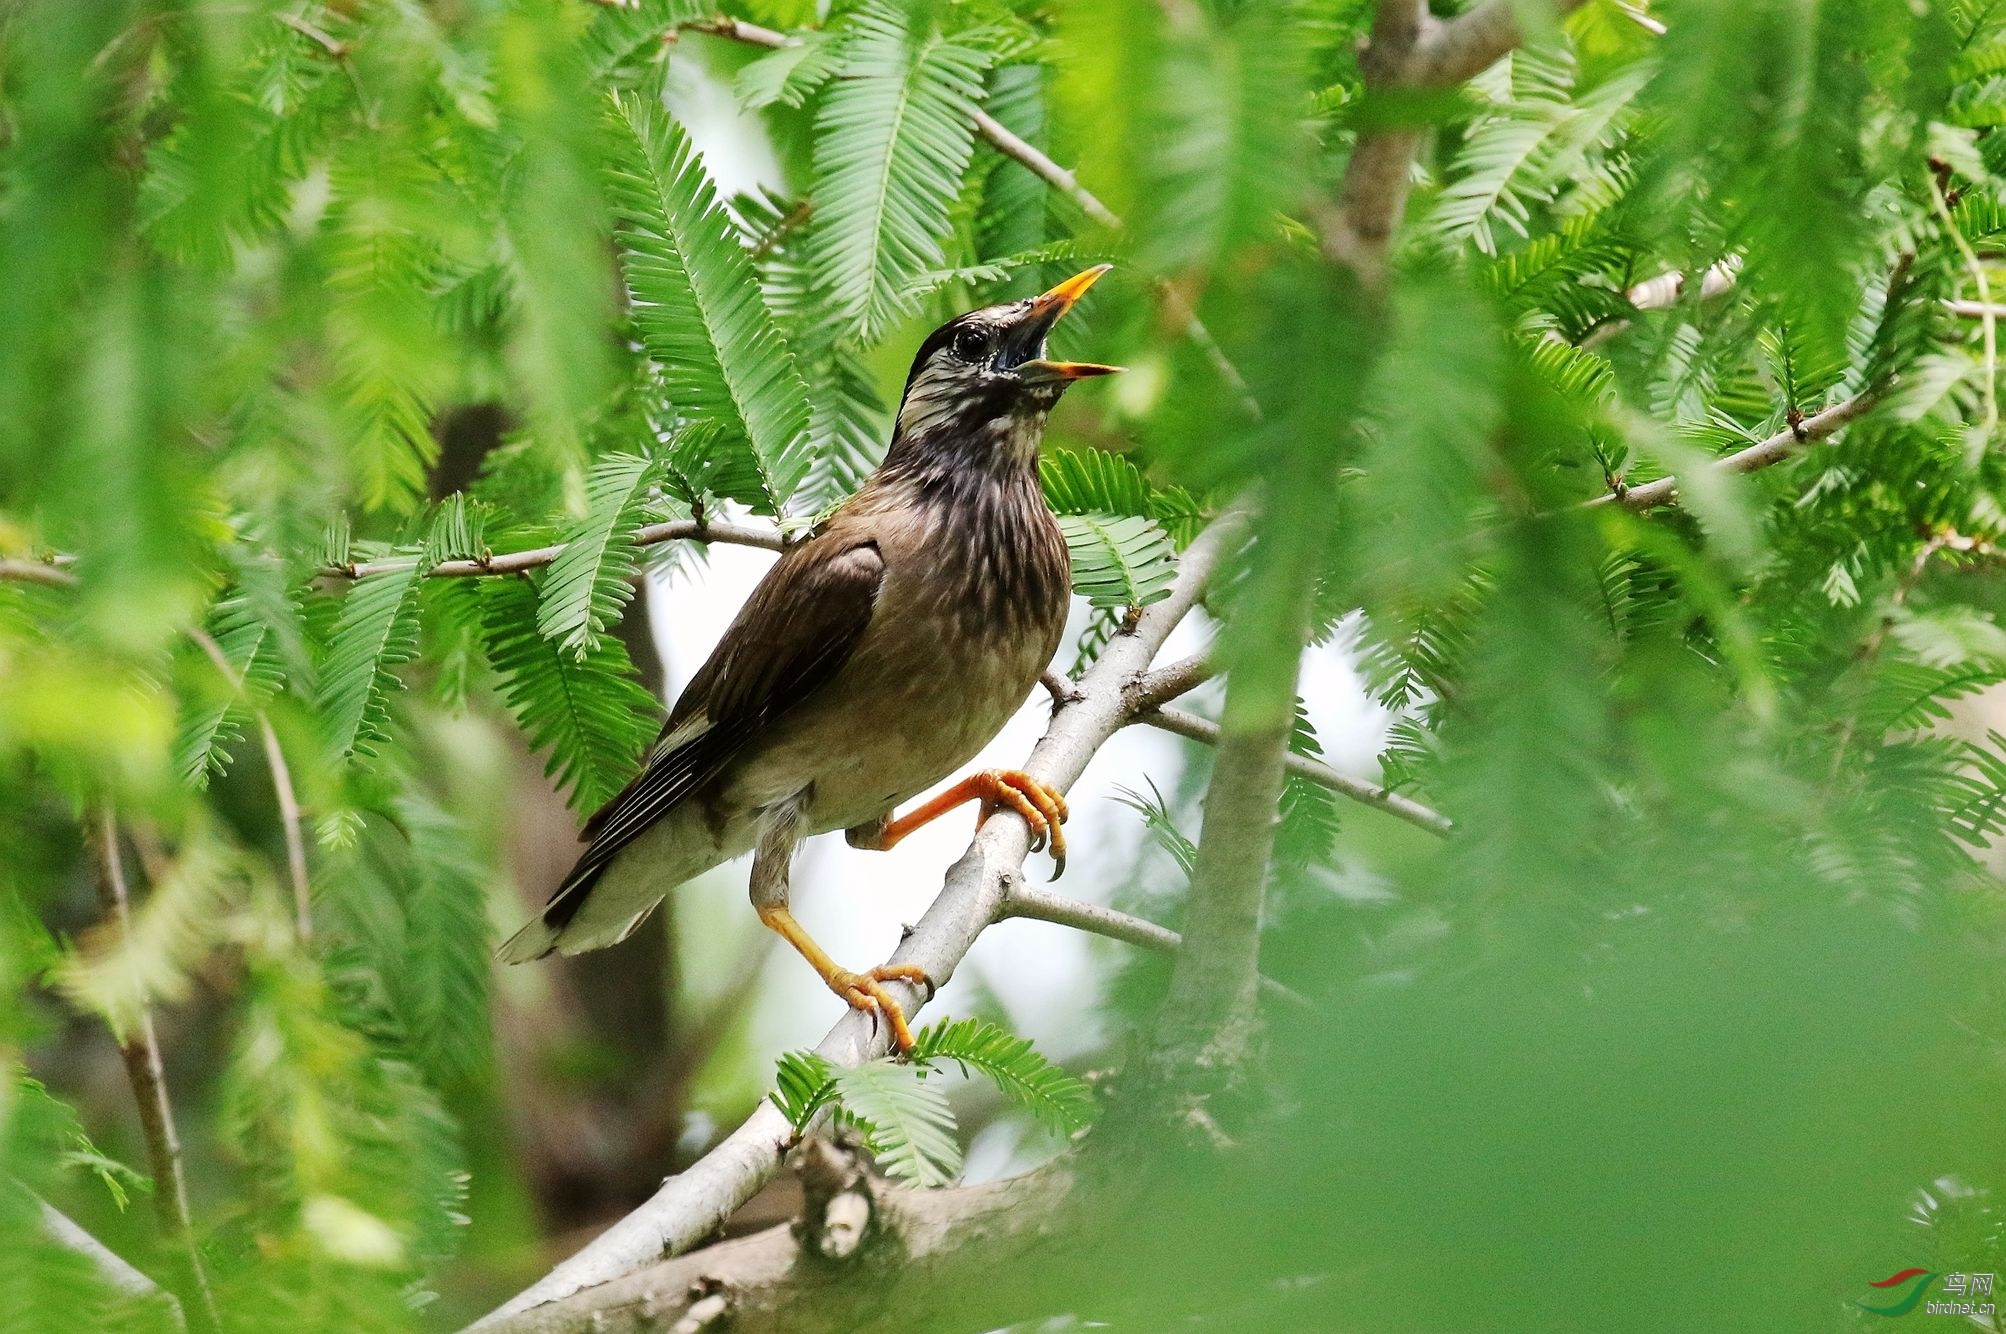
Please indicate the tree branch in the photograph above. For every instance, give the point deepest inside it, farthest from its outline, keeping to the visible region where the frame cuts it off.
(1469, 43)
(51, 572)
(1762, 454)
(1190, 725)
(1407, 52)
(691, 1205)
(1167, 683)
(146, 1071)
(117, 1274)
(913, 1256)
(515, 562)
(1031, 904)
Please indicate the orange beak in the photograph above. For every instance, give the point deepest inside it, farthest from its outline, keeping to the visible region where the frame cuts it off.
(1044, 312)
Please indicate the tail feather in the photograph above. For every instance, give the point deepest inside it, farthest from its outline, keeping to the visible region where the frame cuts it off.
(536, 939)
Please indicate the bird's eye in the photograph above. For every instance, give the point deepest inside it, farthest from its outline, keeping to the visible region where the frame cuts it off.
(971, 345)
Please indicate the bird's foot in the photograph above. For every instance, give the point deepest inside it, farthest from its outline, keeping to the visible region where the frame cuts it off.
(866, 991)
(1043, 809)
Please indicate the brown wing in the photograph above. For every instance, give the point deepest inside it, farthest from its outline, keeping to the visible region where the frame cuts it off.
(796, 630)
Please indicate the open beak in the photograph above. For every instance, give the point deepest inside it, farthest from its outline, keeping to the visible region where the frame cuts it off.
(1044, 312)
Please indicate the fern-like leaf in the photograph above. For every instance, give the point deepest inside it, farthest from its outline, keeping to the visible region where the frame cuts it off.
(588, 712)
(213, 721)
(905, 1119)
(1058, 1101)
(376, 633)
(699, 310)
(1119, 560)
(804, 1084)
(592, 579)
(895, 136)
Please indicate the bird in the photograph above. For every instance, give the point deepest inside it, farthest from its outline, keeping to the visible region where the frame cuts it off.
(876, 657)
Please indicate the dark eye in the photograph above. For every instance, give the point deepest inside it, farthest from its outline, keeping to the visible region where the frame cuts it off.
(971, 345)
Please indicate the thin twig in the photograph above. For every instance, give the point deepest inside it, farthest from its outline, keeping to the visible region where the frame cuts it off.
(290, 817)
(1987, 315)
(515, 562)
(1059, 686)
(36, 572)
(1159, 687)
(1033, 904)
(1762, 454)
(289, 821)
(1190, 725)
(147, 1073)
(334, 47)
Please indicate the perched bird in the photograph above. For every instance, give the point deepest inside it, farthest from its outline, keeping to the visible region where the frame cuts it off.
(875, 658)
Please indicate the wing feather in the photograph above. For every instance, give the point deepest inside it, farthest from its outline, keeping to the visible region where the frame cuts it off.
(792, 635)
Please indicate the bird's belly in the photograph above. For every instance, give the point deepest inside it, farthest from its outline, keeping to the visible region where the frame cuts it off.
(897, 732)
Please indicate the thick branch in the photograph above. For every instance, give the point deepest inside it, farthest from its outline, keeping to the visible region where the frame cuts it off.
(1405, 808)
(147, 1073)
(691, 1205)
(917, 1256)
(1407, 52)
(1469, 43)
(1205, 1027)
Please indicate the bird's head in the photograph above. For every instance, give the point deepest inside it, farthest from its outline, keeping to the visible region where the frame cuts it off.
(984, 376)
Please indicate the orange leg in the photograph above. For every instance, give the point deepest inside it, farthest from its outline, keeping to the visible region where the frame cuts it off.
(864, 991)
(1043, 809)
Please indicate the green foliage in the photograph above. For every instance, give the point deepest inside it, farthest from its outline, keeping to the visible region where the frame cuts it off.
(584, 707)
(281, 276)
(1119, 560)
(905, 1117)
(895, 137)
(1056, 1100)
(593, 577)
(700, 312)
(376, 633)
(213, 719)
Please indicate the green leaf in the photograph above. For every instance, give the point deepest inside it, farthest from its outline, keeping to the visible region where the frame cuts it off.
(1308, 831)
(592, 579)
(905, 1119)
(805, 1085)
(442, 985)
(698, 308)
(377, 632)
(895, 135)
(1057, 1100)
(1161, 824)
(1119, 560)
(1083, 481)
(587, 711)
(790, 75)
(214, 720)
